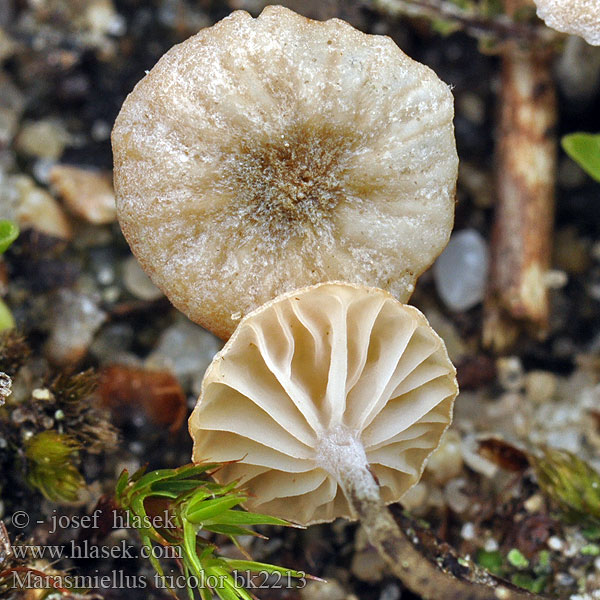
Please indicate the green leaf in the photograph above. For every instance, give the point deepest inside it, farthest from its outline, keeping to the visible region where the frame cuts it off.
(535, 586)
(584, 149)
(516, 559)
(239, 517)
(230, 530)
(590, 550)
(490, 560)
(6, 319)
(209, 509)
(9, 232)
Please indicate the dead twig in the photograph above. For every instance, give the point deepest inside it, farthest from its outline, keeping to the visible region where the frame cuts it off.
(521, 244)
(473, 20)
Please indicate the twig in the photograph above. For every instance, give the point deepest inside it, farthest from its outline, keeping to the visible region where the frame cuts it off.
(475, 22)
(526, 171)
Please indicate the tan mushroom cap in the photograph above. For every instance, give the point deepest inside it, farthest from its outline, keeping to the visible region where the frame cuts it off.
(577, 17)
(314, 374)
(263, 155)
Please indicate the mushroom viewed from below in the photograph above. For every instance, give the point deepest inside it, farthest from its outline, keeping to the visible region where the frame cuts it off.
(316, 388)
(577, 17)
(267, 154)
(329, 399)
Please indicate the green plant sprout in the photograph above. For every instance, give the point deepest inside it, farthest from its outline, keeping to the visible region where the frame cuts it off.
(571, 483)
(9, 232)
(584, 149)
(193, 504)
(50, 466)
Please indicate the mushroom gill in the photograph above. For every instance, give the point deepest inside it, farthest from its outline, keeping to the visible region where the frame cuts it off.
(316, 387)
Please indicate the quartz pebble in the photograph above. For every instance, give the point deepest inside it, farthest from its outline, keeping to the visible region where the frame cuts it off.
(185, 349)
(76, 318)
(540, 386)
(510, 373)
(461, 271)
(137, 282)
(43, 139)
(87, 193)
(321, 590)
(390, 592)
(415, 498)
(368, 566)
(456, 499)
(33, 207)
(446, 462)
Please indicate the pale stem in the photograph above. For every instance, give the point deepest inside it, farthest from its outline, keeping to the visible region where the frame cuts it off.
(344, 457)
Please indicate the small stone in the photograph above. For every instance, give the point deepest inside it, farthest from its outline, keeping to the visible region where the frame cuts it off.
(510, 373)
(534, 503)
(367, 565)
(555, 543)
(138, 284)
(564, 579)
(390, 592)
(540, 386)
(461, 271)
(472, 107)
(468, 532)
(76, 318)
(415, 498)
(101, 18)
(35, 208)
(12, 103)
(185, 349)
(554, 279)
(87, 193)
(5, 387)
(454, 496)
(321, 590)
(41, 394)
(446, 462)
(43, 139)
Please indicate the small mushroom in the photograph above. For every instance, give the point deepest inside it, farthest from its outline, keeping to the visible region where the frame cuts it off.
(577, 17)
(263, 155)
(320, 390)
(329, 399)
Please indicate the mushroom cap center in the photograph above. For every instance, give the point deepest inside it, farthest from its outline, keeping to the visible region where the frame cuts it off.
(289, 185)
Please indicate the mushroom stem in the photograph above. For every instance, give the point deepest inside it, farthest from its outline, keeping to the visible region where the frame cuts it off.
(405, 560)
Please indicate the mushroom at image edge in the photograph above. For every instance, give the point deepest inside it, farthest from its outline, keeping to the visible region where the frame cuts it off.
(577, 17)
(267, 154)
(317, 390)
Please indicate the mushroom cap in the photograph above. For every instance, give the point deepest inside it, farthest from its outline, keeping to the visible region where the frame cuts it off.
(577, 17)
(263, 155)
(311, 371)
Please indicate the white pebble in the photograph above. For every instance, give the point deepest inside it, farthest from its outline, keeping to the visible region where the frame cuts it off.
(468, 531)
(555, 543)
(461, 271)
